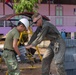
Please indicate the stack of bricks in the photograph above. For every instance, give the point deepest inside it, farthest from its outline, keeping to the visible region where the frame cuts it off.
(70, 56)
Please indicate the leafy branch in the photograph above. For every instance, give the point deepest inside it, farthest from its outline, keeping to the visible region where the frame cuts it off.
(25, 5)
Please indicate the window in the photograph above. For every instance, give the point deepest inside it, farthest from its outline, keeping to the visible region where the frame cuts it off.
(5, 23)
(68, 35)
(59, 13)
(75, 35)
(1, 23)
(59, 21)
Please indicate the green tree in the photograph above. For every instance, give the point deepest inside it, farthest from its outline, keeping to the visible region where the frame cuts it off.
(25, 5)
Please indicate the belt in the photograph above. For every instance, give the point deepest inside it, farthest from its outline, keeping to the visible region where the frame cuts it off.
(8, 49)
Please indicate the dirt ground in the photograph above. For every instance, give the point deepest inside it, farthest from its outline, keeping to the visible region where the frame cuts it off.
(27, 69)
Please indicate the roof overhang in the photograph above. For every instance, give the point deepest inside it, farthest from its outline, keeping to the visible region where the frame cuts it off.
(28, 14)
(71, 2)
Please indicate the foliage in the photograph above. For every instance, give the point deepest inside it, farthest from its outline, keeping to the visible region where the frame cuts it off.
(25, 5)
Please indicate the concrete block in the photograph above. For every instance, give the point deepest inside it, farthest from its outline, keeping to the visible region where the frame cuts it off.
(70, 65)
(69, 58)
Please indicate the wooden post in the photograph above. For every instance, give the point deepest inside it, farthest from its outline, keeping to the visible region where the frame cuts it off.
(49, 7)
(3, 7)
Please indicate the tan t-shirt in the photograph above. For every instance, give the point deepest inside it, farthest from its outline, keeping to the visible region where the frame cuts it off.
(11, 35)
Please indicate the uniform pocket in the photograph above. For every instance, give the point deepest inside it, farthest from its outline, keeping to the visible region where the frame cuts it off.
(4, 55)
(56, 47)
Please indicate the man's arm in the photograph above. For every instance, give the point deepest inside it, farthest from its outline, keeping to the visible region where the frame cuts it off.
(22, 57)
(40, 36)
(34, 36)
(15, 46)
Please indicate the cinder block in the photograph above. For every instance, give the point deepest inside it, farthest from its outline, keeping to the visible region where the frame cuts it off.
(69, 72)
(69, 58)
(70, 50)
(70, 42)
(70, 65)
(74, 72)
(74, 56)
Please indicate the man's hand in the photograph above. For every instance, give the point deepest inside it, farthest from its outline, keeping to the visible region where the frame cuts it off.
(28, 46)
(22, 58)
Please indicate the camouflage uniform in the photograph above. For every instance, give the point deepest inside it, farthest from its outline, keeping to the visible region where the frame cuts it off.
(50, 32)
(11, 62)
(9, 54)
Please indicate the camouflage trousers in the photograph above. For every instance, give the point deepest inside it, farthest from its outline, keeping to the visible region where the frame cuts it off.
(58, 58)
(11, 62)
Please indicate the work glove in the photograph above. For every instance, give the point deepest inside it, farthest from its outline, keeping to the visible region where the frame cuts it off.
(22, 58)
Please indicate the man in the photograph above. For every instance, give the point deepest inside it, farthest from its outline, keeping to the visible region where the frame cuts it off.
(11, 47)
(55, 49)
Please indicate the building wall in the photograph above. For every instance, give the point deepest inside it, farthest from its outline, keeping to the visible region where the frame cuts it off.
(68, 17)
(68, 10)
(4, 30)
(8, 10)
(43, 9)
(1, 8)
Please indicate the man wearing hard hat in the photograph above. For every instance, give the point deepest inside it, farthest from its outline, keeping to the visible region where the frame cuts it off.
(11, 47)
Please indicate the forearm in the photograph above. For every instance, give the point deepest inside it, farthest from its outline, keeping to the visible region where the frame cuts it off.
(40, 36)
(34, 36)
(17, 50)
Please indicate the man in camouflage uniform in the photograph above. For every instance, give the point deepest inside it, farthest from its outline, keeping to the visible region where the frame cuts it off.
(55, 49)
(11, 47)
